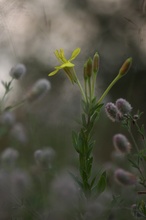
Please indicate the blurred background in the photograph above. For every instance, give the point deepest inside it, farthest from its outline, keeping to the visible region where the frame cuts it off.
(32, 30)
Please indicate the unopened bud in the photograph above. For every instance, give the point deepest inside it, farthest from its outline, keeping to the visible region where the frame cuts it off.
(85, 72)
(89, 67)
(111, 111)
(125, 178)
(18, 71)
(123, 106)
(125, 67)
(95, 62)
(38, 90)
(121, 143)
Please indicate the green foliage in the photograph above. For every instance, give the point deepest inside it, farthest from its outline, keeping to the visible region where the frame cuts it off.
(102, 183)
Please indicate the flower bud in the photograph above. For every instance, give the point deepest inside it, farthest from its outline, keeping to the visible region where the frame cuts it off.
(38, 90)
(125, 67)
(123, 106)
(85, 72)
(121, 143)
(125, 178)
(111, 111)
(95, 62)
(18, 71)
(89, 67)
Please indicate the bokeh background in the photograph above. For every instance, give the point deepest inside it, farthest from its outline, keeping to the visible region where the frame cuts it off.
(32, 30)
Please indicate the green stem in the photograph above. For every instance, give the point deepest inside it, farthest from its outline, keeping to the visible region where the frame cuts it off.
(81, 89)
(85, 86)
(17, 105)
(93, 84)
(133, 139)
(108, 88)
(141, 133)
(90, 92)
(6, 92)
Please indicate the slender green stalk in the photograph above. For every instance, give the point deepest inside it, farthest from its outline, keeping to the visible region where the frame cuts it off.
(133, 139)
(108, 88)
(93, 84)
(90, 88)
(81, 89)
(17, 105)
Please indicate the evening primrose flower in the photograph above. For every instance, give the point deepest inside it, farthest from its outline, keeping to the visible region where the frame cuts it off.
(66, 65)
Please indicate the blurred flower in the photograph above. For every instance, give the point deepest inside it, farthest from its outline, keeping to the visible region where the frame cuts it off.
(38, 90)
(94, 210)
(111, 111)
(45, 157)
(18, 133)
(9, 156)
(65, 193)
(123, 106)
(66, 65)
(121, 143)
(125, 178)
(7, 119)
(20, 182)
(18, 71)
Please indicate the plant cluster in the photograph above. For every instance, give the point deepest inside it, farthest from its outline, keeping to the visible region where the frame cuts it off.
(37, 190)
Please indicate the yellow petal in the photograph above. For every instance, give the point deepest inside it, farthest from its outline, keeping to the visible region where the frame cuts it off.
(57, 54)
(67, 64)
(75, 54)
(62, 56)
(53, 73)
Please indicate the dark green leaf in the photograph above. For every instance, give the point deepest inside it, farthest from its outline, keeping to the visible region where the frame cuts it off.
(76, 179)
(102, 182)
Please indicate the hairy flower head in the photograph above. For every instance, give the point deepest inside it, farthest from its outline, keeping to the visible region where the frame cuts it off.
(125, 178)
(66, 65)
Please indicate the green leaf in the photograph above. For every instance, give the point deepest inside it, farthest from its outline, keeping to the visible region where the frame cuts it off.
(75, 141)
(90, 148)
(89, 166)
(93, 181)
(97, 108)
(84, 120)
(94, 117)
(102, 182)
(76, 179)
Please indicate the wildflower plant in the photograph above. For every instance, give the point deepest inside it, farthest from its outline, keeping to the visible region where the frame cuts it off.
(91, 105)
(135, 152)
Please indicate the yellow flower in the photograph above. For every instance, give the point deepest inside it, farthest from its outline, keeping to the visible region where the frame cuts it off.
(66, 65)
